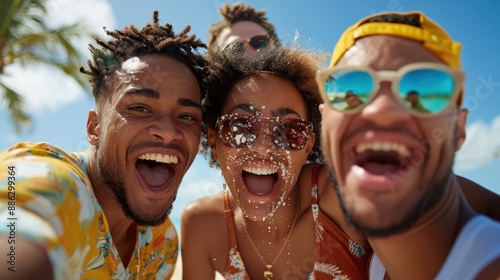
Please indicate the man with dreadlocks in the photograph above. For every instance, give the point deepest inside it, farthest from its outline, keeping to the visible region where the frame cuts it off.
(103, 213)
(244, 28)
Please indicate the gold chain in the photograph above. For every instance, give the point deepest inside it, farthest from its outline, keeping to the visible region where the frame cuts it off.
(268, 274)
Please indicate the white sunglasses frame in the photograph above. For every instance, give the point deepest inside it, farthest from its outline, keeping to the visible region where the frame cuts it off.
(394, 77)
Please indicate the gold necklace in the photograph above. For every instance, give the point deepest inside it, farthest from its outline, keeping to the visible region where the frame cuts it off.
(268, 274)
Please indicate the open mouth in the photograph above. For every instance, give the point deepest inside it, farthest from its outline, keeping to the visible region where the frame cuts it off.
(260, 181)
(156, 170)
(382, 158)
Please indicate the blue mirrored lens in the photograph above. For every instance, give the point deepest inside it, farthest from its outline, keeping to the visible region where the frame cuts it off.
(348, 89)
(426, 90)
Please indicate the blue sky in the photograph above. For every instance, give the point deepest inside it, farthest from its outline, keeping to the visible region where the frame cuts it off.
(59, 108)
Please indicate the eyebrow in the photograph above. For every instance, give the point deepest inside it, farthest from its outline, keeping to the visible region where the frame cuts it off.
(245, 107)
(279, 112)
(143, 92)
(188, 102)
(156, 95)
(283, 111)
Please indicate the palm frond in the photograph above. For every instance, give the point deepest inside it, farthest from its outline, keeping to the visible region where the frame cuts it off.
(16, 15)
(15, 107)
(27, 40)
(31, 60)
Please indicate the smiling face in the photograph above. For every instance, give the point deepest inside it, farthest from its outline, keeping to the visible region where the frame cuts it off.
(390, 166)
(146, 134)
(260, 176)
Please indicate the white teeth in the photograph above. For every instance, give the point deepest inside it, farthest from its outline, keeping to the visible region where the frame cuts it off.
(260, 171)
(160, 158)
(384, 146)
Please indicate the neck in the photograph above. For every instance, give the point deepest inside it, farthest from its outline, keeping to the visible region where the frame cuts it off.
(420, 251)
(123, 230)
(279, 225)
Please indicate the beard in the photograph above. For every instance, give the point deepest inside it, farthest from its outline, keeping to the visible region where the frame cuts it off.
(428, 200)
(115, 184)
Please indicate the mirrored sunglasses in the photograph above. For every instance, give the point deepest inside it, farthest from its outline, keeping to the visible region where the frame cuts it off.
(423, 89)
(241, 131)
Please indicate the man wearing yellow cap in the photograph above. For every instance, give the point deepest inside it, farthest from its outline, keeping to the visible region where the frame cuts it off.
(392, 163)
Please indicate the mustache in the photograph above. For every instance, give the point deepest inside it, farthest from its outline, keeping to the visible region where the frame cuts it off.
(152, 144)
(369, 127)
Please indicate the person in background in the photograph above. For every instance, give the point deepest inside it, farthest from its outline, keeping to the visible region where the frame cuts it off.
(414, 99)
(242, 28)
(391, 164)
(103, 213)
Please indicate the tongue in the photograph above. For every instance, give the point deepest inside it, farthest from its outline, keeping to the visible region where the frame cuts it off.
(380, 168)
(155, 175)
(259, 184)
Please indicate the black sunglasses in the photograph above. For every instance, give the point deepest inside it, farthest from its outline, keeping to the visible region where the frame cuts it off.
(258, 43)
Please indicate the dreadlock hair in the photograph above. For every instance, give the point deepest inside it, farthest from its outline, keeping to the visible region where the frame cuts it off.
(226, 68)
(240, 12)
(131, 42)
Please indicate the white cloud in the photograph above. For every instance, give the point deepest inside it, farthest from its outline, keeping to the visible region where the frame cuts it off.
(483, 141)
(43, 88)
(95, 13)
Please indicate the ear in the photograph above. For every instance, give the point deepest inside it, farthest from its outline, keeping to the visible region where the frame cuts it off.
(321, 106)
(93, 128)
(461, 133)
(212, 141)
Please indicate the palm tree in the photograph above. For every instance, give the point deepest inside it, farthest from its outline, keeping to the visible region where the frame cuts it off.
(27, 40)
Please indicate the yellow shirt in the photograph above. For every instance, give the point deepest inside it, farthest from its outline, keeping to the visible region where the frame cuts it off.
(47, 198)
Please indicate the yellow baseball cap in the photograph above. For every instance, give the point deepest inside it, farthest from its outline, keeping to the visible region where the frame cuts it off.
(433, 37)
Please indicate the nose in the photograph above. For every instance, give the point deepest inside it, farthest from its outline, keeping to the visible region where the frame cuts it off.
(165, 129)
(264, 140)
(384, 109)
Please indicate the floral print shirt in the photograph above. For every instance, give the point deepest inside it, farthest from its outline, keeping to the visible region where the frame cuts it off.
(47, 196)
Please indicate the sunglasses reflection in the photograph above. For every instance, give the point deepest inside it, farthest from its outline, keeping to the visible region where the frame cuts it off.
(352, 100)
(414, 99)
(425, 89)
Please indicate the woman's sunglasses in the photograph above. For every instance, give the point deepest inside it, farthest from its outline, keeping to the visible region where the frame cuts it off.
(240, 131)
(424, 89)
(258, 43)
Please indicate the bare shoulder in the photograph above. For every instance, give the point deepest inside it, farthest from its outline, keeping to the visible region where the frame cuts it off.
(480, 199)
(204, 210)
(204, 236)
(491, 271)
